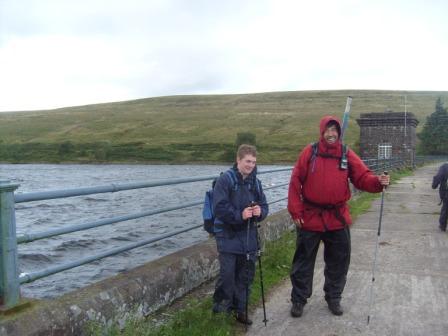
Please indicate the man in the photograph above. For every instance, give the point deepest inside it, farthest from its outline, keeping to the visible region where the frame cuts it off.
(440, 180)
(317, 196)
(235, 231)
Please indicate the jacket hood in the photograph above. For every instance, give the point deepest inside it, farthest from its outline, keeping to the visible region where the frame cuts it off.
(323, 125)
(324, 122)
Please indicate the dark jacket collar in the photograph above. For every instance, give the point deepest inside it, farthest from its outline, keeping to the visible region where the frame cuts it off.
(249, 179)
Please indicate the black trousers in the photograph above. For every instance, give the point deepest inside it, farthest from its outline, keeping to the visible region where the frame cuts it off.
(235, 274)
(337, 248)
(444, 214)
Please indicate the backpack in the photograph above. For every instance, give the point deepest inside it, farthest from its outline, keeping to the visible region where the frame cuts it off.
(207, 210)
(343, 163)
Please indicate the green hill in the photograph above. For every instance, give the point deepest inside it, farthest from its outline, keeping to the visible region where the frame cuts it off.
(200, 128)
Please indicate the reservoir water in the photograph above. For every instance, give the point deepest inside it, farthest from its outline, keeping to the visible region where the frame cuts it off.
(44, 215)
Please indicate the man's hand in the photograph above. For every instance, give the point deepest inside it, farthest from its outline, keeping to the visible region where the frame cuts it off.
(384, 179)
(298, 222)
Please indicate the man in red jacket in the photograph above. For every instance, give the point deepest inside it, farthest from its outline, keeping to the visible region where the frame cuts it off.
(317, 196)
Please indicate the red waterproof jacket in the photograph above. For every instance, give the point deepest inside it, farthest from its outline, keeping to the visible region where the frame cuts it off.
(319, 189)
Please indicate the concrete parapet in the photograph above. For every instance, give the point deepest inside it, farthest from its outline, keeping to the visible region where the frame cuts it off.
(137, 292)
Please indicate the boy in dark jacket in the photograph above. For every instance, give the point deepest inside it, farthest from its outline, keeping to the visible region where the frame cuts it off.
(317, 196)
(440, 180)
(235, 213)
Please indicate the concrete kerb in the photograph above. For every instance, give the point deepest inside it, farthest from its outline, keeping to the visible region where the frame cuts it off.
(137, 292)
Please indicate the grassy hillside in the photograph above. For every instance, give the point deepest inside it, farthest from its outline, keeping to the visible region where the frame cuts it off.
(191, 128)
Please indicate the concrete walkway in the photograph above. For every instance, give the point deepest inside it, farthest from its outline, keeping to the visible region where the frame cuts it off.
(411, 286)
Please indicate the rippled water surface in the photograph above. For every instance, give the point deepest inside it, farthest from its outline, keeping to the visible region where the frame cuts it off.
(39, 216)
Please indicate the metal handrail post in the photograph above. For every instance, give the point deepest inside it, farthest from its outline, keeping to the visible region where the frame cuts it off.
(9, 270)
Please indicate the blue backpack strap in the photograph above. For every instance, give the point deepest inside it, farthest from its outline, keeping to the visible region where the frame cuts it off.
(258, 188)
(233, 178)
(207, 212)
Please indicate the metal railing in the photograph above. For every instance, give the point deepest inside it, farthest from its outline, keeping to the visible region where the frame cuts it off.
(10, 280)
(379, 165)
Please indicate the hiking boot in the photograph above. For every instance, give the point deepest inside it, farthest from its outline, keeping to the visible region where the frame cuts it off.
(442, 228)
(242, 318)
(297, 309)
(335, 308)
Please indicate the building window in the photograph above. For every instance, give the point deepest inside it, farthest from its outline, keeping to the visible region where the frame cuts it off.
(384, 151)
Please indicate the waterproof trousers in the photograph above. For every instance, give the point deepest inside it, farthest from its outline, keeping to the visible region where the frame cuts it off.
(443, 215)
(235, 274)
(337, 248)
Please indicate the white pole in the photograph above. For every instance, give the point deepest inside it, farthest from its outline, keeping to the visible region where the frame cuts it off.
(405, 117)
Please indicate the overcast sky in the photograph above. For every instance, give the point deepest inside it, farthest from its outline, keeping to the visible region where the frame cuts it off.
(56, 53)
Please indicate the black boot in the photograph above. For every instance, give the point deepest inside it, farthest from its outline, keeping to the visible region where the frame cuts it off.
(297, 309)
(243, 318)
(335, 308)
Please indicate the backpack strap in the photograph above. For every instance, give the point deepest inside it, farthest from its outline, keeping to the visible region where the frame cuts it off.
(258, 185)
(233, 179)
(330, 207)
(315, 151)
(258, 188)
(314, 154)
(343, 165)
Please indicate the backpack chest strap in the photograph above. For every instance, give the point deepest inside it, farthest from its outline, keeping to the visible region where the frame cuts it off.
(328, 156)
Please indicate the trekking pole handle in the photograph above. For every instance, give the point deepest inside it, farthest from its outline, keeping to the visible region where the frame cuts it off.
(385, 173)
(251, 205)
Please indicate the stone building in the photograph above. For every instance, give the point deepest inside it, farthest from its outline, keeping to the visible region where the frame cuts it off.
(387, 135)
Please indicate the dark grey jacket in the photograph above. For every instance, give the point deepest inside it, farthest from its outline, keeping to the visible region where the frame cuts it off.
(228, 205)
(440, 180)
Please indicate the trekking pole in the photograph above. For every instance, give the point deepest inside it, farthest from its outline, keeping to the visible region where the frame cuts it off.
(247, 271)
(345, 117)
(376, 251)
(261, 274)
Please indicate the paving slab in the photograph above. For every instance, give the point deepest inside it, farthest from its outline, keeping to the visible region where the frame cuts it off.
(410, 292)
